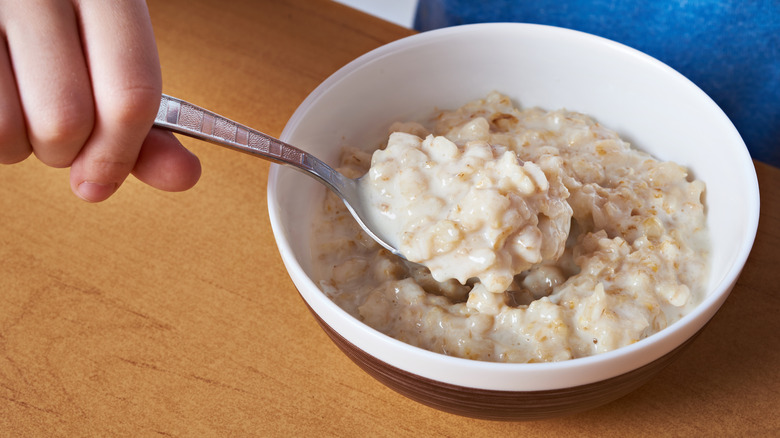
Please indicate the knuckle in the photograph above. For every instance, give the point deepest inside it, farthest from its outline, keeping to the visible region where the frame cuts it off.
(109, 168)
(61, 130)
(57, 135)
(104, 172)
(135, 105)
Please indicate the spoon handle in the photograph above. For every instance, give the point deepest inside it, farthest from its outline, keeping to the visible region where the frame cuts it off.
(185, 118)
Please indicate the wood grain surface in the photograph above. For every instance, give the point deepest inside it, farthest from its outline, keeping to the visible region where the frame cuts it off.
(159, 314)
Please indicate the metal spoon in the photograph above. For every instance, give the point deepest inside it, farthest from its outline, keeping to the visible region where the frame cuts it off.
(185, 118)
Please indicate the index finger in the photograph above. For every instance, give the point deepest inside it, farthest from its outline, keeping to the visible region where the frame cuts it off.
(124, 67)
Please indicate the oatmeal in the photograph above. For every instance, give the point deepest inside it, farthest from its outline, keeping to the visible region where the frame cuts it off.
(468, 212)
(562, 242)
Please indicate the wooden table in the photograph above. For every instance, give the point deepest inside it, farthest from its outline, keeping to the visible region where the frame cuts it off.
(158, 314)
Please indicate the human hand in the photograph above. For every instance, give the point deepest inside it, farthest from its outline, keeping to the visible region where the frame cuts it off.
(80, 85)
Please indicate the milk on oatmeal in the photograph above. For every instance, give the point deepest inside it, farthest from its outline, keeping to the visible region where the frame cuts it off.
(545, 236)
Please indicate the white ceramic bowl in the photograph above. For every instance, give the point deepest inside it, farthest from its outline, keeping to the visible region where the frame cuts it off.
(645, 101)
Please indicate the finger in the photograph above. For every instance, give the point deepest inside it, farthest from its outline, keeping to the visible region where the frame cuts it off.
(13, 136)
(51, 76)
(165, 164)
(127, 85)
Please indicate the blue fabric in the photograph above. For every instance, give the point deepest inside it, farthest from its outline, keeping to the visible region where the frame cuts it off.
(730, 49)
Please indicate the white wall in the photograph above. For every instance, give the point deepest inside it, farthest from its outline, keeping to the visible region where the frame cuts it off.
(400, 12)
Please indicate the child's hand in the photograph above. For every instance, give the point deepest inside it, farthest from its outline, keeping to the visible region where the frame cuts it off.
(80, 85)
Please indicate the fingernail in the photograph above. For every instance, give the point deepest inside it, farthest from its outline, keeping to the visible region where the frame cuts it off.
(96, 192)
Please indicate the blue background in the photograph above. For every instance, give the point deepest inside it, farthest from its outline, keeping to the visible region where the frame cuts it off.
(730, 49)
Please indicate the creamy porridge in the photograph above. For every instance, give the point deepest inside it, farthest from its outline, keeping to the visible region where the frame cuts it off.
(545, 235)
(468, 212)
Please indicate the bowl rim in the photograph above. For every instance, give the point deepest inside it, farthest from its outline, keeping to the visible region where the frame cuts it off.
(376, 343)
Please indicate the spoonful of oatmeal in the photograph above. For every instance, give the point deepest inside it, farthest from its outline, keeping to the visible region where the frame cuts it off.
(469, 211)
